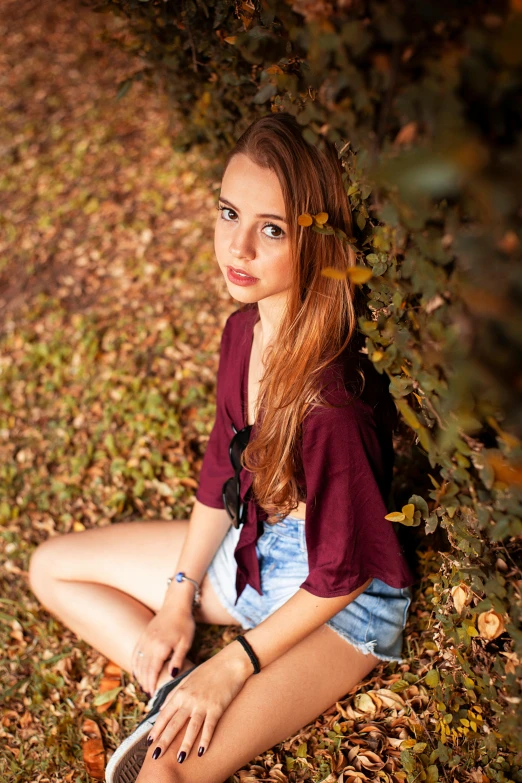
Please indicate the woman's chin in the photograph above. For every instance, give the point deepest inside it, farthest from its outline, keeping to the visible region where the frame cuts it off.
(245, 295)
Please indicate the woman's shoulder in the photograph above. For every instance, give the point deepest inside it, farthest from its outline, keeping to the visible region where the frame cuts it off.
(354, 386)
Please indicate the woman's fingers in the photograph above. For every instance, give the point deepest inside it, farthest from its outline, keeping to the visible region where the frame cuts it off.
(195, 723)
(153, 667)
(176, 662)
(165, 729)
(209, 728)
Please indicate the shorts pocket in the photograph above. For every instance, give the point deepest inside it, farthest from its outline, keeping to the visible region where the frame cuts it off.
(292, 528)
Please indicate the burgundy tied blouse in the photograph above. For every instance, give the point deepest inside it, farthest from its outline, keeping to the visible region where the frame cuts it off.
(347, 457)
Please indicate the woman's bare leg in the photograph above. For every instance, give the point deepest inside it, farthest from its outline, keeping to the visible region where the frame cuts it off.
(273, 705)
(106, 584)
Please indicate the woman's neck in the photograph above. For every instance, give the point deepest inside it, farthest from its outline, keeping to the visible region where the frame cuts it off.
(271, 312)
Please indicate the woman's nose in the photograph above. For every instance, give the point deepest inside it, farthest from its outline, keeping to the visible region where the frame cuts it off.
(241, 245)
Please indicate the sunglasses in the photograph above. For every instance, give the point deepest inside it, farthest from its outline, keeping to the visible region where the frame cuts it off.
(235, 507)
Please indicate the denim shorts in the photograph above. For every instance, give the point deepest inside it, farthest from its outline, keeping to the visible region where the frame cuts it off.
(373, 623)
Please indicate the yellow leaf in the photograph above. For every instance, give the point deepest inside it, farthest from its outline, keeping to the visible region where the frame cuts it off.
(408, 414)
(408, 510)
(78, 526)
(504, 471)
(305, 219)
(395, 516)
(432, 678)
(364, 703)
(377, 356)
(103, 698)
(335, 274)
(321, 218)
(231, 39)
(359, 274)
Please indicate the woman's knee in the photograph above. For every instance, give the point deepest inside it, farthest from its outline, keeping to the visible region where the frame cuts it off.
(43, 564)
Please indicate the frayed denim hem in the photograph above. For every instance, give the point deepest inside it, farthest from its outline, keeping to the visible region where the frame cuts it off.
(365, 647)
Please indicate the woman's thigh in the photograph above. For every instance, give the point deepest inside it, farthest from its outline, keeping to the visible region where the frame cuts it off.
(273, 705)
(136, 558)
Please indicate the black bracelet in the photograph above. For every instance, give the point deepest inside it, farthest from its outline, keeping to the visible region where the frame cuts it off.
(249, 651)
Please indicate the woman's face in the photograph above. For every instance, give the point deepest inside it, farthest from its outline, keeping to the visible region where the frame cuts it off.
(251, 233)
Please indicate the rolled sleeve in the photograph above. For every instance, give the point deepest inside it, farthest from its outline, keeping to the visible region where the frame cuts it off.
(348, 539)
(216, 467)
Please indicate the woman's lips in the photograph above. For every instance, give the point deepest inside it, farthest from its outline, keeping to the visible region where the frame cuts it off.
(240, 279)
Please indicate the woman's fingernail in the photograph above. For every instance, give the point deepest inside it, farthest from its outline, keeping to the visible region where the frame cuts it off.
(181, 756)
(156, 753)
(149, 741)
(201, 751)
(174, 671)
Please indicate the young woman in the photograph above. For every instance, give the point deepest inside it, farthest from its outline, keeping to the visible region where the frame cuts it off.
(287, 536)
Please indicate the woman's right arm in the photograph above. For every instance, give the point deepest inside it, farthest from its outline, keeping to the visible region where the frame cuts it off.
(170, 633)
(207, 529)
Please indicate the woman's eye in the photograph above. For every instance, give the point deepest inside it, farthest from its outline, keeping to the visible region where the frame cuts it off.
(278, 236)
(223, 210)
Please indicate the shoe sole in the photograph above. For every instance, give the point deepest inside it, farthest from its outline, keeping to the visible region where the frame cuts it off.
(127, 760)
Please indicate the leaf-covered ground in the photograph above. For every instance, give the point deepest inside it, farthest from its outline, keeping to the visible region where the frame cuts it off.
(111, 312)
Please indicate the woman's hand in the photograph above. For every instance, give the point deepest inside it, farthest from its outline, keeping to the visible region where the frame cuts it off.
(201, 698)
(169, 633)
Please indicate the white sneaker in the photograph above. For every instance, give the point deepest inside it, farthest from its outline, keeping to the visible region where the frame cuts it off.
(127, 760)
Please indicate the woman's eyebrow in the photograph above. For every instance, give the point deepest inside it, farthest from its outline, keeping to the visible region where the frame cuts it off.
(274, 217)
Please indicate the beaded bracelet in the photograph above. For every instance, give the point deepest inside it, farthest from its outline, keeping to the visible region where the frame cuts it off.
(251, 654)
(180, 576)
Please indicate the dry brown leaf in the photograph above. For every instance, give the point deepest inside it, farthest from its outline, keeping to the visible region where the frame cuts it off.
(407, 134)
(92, 749)
(462, 596)
(353, 753)
(112, 670)
(369, 727)
(278, 776)
(490, 624)
(26, 719)
(390, 699)
(112, 677)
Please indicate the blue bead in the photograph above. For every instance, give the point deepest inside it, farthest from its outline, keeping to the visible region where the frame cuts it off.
(179, 576)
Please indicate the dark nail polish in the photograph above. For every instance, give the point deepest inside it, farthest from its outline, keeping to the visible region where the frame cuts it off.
(201, 751)
(156, 753)
(181, 756)
(149, 741)
(174, 671)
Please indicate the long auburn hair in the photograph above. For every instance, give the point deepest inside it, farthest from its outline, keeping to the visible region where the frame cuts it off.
(321, 315)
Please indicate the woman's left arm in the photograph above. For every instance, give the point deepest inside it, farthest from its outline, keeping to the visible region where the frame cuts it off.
(203, 695)
(292, 622)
